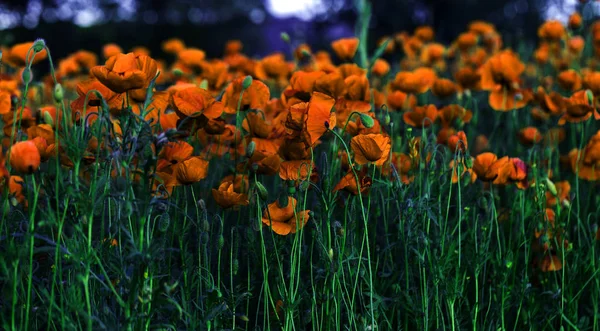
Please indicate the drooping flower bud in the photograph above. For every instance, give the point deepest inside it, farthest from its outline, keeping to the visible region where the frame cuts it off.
(39, 45)
(246, 82)
(367, 120)
(285, 37)
(59, 93)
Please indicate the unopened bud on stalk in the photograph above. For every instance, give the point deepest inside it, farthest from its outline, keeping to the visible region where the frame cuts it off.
(201, 204)
(387, 119)
(250, 149)
(304, 185)
(551, 187)
(367, 121)
(590, 96)
(48, 118)
(177, 72)
(39, 45)
(59, 93)
(26, 75)
(246, 82)
(330, 254)
(262, 191)
(220, 242)
(285, 37)
(204, 84)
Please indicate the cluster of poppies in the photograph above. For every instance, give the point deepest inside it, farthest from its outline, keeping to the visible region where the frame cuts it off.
(267, 116)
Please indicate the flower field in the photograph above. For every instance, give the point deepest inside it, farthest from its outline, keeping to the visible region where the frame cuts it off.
(413, 185)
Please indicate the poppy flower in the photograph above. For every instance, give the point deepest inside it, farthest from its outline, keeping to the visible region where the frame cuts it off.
(551, 262)
(579, 108)
(191, 57)
(591, 81)
(467, 79)
(173, 46)
(530, 136)
(345, 48)
(425, 33)
(464, 171)
(371, 148)
(226, 197)
(421, 116)
(575, 21)
(25, 157)
(194, 101)
(459, 142)
(5, 102)
(415, 82)
(319, 117)
(191, 170)
(284, 220)
(552, 31)
(114, 101)
(444, 88)
(482, 165)
(296, 170)
(273, 67)
(256, 96)
(332, 84)
(400, 100)
(569, 80)
(348, 182)
(19, 55)
(453, 113)
(380, 68)
(125, 72)
(357, 88)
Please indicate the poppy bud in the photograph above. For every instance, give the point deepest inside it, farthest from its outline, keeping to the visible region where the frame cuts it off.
(262, 191)
(367, 120)
(59, 93)
(39, 45)
(291, 190)
(387, 119)
(590, 96)
(163, 222)
(551, 187)
(48, 118)
(285, 37)
(177, 72)
(250, 149)
(330, 254)
(201, 204)
(235, 267)
(304, 185)
(26, 76)
(246, 82)
(220, 242)
(204, 84)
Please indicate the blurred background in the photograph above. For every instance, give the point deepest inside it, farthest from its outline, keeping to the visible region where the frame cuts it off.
(69, 25)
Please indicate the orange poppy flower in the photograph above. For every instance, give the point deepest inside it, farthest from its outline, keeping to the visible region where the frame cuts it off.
(254, 97)
(458, 142)
(575, 21)
(173, 153)
(466, 41)
(530, 136)
(357, 88)
(380, 68)
(191, 57)
(173, 46)
(296, 170)
(482, 165)
(191, 170)
(319, 117)
(371, 148)
(345, 48)
(444, 88)
(591, 80)
(579, 109)
(452, 113)
(344, 108)
(415, 82)
(15, 189)
(569, 80)
(551, 262)
(19, 55)
(332, 84)
(226, 197)
(424, 33)
(5, 102)
(552, 31)
(502, 69)
(274, 67)
(464, 172)
(110, 50)
(284, 220)
(25, 157)
(125, 72)
(348, 182)
(115, 101)
(194, 102)
(467, 79)
(421, 116)
(400, 100)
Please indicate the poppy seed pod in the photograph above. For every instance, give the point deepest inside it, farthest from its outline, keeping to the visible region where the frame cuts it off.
(25, 157)
(246, 82)
(39, 45)
(59, 93)
(26, 75)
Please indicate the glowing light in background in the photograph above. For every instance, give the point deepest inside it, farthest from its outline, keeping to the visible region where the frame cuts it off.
(560, 10)
(302, 9)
